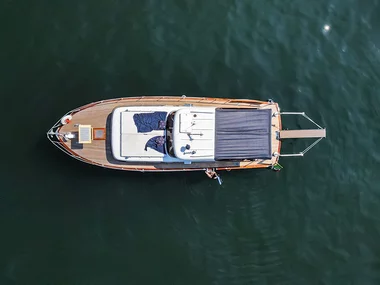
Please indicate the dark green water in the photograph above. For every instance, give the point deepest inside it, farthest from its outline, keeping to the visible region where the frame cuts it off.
(315, 222)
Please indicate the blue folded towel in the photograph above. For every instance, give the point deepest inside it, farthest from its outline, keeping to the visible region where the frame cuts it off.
(147, 122)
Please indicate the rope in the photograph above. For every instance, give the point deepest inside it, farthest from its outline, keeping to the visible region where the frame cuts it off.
(307, 117)
(311, 146)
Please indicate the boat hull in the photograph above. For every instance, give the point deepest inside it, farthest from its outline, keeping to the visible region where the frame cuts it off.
(98, 114)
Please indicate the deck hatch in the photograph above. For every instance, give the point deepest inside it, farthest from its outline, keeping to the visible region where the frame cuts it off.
(85, 134)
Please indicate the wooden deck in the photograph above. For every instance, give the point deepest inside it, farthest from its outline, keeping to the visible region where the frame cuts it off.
(99, 151)
(302, 134)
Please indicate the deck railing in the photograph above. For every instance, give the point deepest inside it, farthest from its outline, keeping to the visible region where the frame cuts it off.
(56, 138)
(318, 133)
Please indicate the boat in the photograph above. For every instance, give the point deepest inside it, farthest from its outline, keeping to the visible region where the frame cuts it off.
(178, 133)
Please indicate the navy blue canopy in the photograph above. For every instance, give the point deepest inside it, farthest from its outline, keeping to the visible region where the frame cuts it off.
(243, 134)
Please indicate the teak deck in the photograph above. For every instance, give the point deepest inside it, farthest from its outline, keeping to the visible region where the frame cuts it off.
(98, 115)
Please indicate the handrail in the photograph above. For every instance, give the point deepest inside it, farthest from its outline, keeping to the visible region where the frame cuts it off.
(249, 102)
(302, 114)
(54, 132)
(302, 153)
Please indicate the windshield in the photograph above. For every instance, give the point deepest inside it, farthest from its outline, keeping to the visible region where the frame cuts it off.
(169, 134)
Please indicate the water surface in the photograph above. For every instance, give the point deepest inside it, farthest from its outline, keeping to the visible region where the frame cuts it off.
(315, 222)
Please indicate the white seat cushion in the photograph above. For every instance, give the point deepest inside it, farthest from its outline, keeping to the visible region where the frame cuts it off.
(134, 144)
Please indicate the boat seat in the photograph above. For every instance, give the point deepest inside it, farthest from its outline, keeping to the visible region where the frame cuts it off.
(134, 145)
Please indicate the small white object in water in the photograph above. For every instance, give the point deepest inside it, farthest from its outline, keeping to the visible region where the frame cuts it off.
(326, 28)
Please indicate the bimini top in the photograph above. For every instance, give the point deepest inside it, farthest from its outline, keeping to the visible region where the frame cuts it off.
(243, 134)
